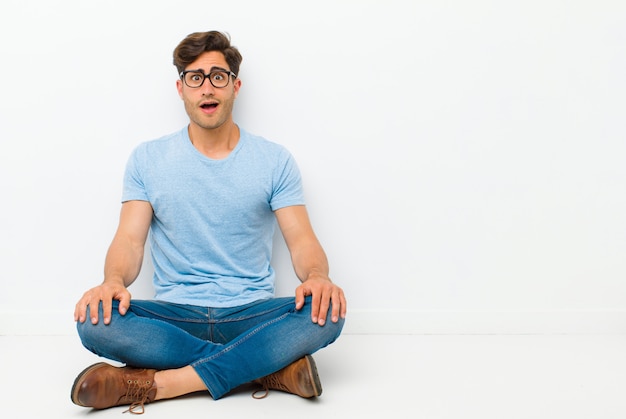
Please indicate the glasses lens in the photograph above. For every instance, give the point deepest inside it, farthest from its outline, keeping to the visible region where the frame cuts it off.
(219, 78)
(194, 78)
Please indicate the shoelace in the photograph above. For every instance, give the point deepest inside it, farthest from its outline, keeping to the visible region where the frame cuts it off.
(269, 382)
(138, 393)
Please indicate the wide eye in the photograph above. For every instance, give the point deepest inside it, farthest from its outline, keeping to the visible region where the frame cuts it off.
(194, 78)
(218, 77)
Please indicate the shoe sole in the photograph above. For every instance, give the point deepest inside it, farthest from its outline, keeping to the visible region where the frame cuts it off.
(77, 382)
(317, 384)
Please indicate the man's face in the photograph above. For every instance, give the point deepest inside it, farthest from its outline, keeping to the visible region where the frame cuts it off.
(209, 107)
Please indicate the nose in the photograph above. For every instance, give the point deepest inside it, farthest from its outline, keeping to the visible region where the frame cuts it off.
(207, 88)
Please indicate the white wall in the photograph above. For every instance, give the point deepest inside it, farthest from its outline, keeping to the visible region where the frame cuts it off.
(463, 161)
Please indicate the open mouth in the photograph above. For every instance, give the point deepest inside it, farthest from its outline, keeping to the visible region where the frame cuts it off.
(208, 106)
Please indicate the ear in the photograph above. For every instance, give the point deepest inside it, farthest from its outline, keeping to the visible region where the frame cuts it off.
(179, 87)
(236, 86)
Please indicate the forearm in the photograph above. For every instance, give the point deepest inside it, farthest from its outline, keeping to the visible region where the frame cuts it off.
(310, 261)
(123, 262)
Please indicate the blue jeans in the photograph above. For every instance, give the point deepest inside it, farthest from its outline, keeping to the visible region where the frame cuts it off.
(227, 347)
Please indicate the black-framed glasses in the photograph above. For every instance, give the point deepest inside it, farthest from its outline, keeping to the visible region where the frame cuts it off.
(195, 78)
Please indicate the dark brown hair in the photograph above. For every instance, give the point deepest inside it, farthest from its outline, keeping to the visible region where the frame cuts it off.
(197, 43)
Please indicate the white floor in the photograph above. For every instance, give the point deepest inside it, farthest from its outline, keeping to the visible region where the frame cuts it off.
(394, 376)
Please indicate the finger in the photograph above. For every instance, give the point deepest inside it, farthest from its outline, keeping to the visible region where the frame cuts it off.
(92, 310)
(79, 311)
(336, 306)
(299, 297)
(339, 306)
(124, 303)
(324, 305)
(344, 305)
(107, 306)
(315, 307)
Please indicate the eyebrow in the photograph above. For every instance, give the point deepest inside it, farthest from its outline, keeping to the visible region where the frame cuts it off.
(212, 69)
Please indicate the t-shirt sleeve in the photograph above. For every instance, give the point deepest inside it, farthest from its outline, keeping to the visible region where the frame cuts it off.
(133, 187)
(287, 184)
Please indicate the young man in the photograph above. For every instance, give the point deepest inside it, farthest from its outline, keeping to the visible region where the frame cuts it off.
(210, 196)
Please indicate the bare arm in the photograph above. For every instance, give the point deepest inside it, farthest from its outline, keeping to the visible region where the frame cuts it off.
(122, 264)
(311, 265)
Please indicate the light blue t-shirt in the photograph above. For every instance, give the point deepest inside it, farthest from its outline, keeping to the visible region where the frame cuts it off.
(213, 224)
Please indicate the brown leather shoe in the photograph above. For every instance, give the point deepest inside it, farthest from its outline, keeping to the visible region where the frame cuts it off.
(102, 385)
(298, 378)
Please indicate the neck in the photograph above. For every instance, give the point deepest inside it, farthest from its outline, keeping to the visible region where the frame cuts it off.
(215, 143)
